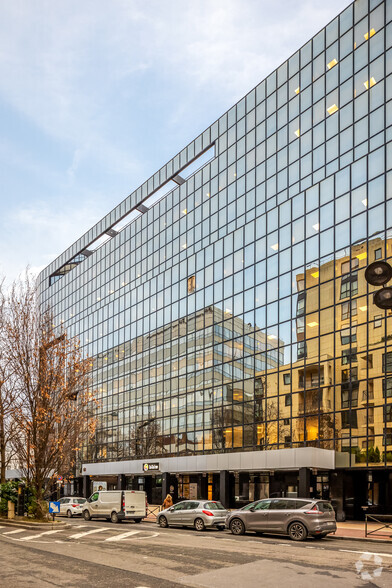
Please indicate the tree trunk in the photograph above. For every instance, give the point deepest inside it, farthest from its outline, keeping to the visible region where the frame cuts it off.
(2, 446)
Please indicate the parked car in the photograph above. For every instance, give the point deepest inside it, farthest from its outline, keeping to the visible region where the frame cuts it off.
(116, 505)
(71, 506)
(295, 517)
(194, 513)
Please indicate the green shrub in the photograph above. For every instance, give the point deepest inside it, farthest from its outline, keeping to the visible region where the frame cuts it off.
(8, 491)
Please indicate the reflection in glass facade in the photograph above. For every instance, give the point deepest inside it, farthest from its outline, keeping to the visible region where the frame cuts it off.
(232, 313)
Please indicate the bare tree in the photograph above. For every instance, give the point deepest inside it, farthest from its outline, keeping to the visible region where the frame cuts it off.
(8, 401)
(145, 439)
(51, 379)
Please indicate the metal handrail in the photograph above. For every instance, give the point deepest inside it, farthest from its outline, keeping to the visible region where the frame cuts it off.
(380, 519)
(153, 510)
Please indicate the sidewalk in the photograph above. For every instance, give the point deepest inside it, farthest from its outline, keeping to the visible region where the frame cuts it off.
(356, 530)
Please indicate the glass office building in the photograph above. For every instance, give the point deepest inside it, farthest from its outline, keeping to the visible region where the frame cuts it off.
(236, 348)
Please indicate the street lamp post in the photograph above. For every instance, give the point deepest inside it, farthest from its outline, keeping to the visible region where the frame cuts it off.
(379, 273)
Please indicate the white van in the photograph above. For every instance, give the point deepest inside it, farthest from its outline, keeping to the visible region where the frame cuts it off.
(116, 505)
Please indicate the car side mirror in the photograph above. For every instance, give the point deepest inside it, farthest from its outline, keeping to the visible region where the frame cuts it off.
(171, 509)
(252, 509)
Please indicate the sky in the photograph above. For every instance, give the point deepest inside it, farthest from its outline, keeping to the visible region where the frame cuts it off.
(96, 96)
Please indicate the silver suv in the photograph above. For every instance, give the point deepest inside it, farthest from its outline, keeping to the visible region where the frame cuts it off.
(295, 517)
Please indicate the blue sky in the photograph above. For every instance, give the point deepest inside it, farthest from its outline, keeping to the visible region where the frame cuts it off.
(95, 96)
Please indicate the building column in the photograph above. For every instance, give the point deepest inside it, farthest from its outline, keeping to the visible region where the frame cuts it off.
(86, 486)
(224, 488)
(121, 482)
(165, 485)
(202, 483)
(304, 483)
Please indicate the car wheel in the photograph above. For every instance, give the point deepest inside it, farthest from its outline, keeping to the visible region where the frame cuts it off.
(199, 524)
(86, 515)
(237, 527)
(297, 532)
(137, 520)
(163, 522)
(114, 517)
(321, 536)
(69, 514)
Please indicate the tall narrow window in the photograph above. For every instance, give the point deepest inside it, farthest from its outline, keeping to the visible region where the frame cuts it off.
(191, 284)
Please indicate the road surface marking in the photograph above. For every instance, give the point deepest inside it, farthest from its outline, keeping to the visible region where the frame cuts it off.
(122, 536)
(30, 537)
(84, 534)
(370, 552)
(12, 532)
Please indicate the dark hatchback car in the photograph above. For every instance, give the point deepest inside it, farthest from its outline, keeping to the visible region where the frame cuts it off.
(295, 517)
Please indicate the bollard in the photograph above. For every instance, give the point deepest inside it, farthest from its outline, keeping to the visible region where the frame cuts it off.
(11, 510)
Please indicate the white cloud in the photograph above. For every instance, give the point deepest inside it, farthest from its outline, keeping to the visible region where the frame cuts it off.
(115, 86)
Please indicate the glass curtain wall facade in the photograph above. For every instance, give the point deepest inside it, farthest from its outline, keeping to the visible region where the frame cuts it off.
(231, 313)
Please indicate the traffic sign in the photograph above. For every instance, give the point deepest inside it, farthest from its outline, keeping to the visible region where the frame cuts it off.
(54, 507)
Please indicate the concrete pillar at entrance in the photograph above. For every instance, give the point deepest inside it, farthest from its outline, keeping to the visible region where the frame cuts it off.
(121, 482)
(224, 494)
(86, 486)
(203, 486)
(304, 483)
(165, 485)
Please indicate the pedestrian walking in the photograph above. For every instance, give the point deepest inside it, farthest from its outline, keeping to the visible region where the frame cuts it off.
(168, 502)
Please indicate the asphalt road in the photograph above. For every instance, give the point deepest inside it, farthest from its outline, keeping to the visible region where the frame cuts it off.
(100, 554)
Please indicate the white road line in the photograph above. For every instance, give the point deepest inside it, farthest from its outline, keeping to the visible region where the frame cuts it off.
(30, 537)
(13, 532)
(363, 552)
(80, 535)
(122, 536)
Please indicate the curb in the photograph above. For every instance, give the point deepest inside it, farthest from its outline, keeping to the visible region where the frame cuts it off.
(369, 539)
(23, 525)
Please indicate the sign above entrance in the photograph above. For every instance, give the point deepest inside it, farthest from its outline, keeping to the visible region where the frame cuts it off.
(151, 467)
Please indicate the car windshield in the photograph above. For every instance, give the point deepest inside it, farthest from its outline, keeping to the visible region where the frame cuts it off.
(214, 506)
(325, 506)
(79, 501)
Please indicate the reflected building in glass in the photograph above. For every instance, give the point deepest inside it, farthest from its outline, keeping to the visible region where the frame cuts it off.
(237, 351)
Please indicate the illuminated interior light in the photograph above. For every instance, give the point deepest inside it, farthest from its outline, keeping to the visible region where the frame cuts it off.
(275, 247)
(228, 311)
(369, 83)
(332, 109)
(363, 308)
(369, 34)
(184, 211)
(314, 324)
(98, 299)
(208, 194)
(316, 227)
(315, 275)
(272, 337)
(123, 283)
(332, 63)
(361, 255)
(297, 132)
(184, 246)
(297, 90)
(364, 202)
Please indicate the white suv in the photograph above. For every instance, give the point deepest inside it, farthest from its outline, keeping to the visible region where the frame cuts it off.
(71, 506)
